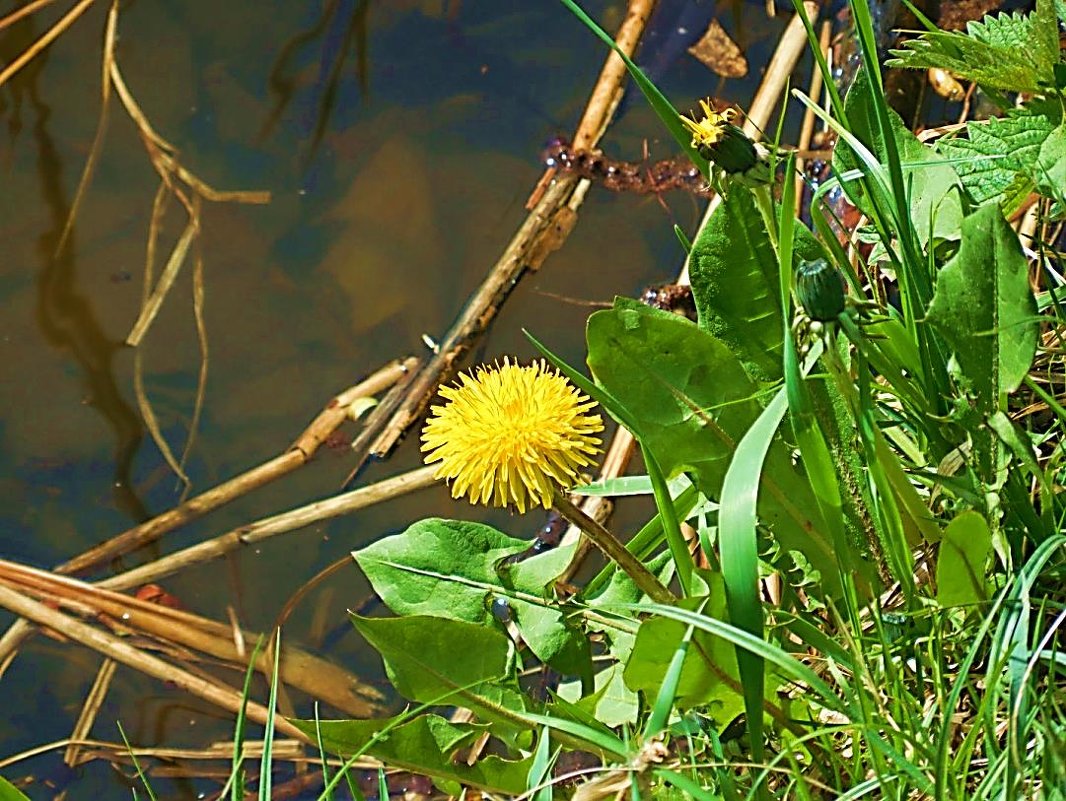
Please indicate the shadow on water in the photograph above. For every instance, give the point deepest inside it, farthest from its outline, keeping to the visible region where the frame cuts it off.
(65, 316)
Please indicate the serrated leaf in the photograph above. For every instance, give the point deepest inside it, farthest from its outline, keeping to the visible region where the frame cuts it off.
(998, 156)
(1050, 171)
(424, 745)
(454, 569)
(1012, 52)
(960, 568)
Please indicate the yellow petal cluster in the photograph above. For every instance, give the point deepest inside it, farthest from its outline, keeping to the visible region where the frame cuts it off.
(709, 130)
(511, 435)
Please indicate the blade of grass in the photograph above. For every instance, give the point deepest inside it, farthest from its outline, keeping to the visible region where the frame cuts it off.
(662, 107)
(268, 736)
(664, 701)
(737, 544)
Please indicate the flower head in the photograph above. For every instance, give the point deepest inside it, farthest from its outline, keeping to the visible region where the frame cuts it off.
(712, 128)
(717, 139)
(511, 434)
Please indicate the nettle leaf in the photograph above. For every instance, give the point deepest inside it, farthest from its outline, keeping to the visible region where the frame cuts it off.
(435, 660)
(1050, 170)
(452, 569)
(932, 185)
(985, 310)
(694, 402)
(960, 568)
(425, 745)
(734, 275)
(997, 159)
(1012, 52)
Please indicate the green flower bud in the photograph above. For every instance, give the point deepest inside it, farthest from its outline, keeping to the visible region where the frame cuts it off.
(820, 290)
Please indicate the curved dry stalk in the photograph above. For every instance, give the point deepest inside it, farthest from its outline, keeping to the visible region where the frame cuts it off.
(115, 648)
(316, 677)
(44, 40)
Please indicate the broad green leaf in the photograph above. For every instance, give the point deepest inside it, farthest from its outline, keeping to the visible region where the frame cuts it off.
(960, 568)
(8, 791)
(1050, 171)
(425, 745)
(734, 275)
(435, 660)
(709, 675)
(694, 402)
(612, 703)
(984, 307)
(1011, 52)
(997, 158)
(451, 568)
(935, 207)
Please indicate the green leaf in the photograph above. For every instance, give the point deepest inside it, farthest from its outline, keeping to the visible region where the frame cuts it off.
(450, 568)
(709, 675)
(1011, 52)
(984, 307)
(734, 275)
(612, 703)
(694, 402)
(1050, 171)
(424, 745)
(960, 568)
(434, 660)
(8, 791)
(935, 207)
(986, 312)
(997, 159)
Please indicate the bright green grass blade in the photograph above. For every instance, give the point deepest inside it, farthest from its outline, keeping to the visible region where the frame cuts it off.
(686, 785)
(660, 105)
(265, 778)
(737, 545)
(327, 793)
(788, 665)
(383, 784)
(540, 780)
(236, 778)
(607, 743)
(664, 701)
(136, 765)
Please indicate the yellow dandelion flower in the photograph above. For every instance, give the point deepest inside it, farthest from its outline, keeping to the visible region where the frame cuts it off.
(511, 434)
(712, 128)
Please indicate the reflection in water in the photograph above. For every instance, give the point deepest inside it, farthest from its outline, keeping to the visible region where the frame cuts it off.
(66, 318)
(343, 27)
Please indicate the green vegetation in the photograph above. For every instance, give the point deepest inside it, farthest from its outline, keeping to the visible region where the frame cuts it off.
(875, 458)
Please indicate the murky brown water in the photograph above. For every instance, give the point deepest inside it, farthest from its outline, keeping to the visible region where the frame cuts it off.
(386, 213)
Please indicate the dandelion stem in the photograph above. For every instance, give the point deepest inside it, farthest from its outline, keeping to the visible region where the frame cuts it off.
(615, 550)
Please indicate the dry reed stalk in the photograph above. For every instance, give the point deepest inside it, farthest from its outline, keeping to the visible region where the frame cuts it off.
(89, 710)
(113, 647)
(317, 677)
(814, 92)
(298, 454)
(44, 40)
(545, 229)
(260, 530)
(24, 11)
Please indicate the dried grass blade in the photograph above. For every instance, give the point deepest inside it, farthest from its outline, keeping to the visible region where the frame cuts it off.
(201, 338)
(46, 39)
(166, 280)
(151, 422)
(101, 127)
